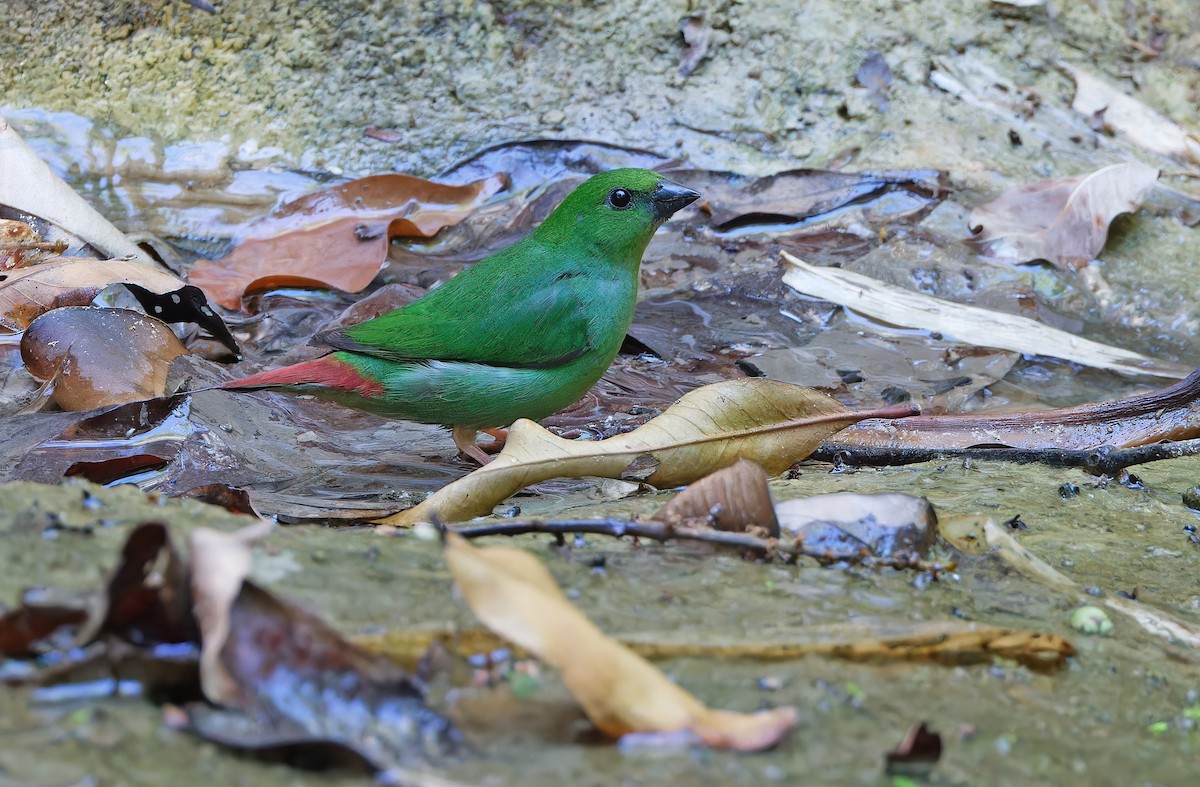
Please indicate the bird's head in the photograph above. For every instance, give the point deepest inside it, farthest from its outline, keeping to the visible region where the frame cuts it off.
(617, 211)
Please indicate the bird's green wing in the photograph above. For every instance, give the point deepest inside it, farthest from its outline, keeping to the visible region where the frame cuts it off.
(484, 315)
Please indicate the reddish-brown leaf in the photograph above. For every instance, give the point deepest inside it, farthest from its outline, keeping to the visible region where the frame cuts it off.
(338, 237)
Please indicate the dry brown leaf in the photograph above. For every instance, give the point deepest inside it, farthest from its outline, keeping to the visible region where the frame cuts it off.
(1127, 117)
(733, 498)
(512, 593)
(70, 281)
(1063, 220)
(983, 327)
(21, 245)
(338, 237)
(100, 356)
(772, 423)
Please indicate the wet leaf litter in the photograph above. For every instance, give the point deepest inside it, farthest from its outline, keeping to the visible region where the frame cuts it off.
(673, 355)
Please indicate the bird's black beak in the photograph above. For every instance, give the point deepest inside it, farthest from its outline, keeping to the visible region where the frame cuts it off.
(669, 197)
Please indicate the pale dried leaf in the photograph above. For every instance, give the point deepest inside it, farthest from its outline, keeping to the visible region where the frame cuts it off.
(1065, 220)
(984, 327)
(514, 595)
(1127, 117)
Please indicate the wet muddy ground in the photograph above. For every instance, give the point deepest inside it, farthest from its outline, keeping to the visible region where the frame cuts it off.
(184, 124)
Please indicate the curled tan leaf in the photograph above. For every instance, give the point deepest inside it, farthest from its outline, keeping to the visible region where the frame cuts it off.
(733, 498)
(512, 593)
(769, 422)
(1065, 220)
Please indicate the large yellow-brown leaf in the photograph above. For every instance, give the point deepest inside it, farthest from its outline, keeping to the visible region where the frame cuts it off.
(1064, 220)
(337, 237)
(769, 422)
(514, 595)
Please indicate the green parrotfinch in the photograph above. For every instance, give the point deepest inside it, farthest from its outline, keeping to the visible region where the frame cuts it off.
(523, 333)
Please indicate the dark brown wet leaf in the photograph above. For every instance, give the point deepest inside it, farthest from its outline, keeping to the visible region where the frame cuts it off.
(41, 623)
(337, 237)
(292, 674)
(916, 754)
(850, 524)
(735, 498)
(148, 600)
(1164, 414)
(1063, 221)
(100, 357)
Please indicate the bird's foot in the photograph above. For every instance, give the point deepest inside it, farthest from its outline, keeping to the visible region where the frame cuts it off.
(464, 439)
(499, 437)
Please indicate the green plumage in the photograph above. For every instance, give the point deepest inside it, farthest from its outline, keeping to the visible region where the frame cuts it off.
(521, 334)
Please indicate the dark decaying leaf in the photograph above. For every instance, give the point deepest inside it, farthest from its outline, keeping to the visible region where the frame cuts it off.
(884, 525)
(916, 754)
(1170, 413)
(187, 304)
(1063, 221)
(734, 498)
(292, 675)
(148, 600)
(42, 622)
(283, 677)
(100, 357)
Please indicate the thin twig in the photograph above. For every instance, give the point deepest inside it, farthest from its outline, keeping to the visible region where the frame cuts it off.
(663, 532)
(1105, 460)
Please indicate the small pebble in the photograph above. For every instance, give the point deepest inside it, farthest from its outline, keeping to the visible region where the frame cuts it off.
(1191, 498)
(1068, 490)
(1091, 620)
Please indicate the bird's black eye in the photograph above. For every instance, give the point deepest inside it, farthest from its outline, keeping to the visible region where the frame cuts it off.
(620, 199)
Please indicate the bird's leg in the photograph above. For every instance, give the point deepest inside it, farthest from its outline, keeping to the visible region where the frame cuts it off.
(464, 438)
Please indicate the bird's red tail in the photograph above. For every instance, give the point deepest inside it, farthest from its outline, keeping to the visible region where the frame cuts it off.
(327, 371)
